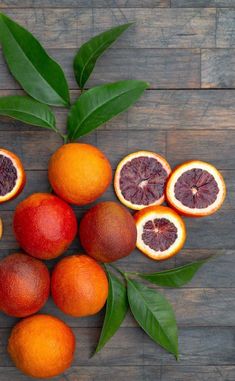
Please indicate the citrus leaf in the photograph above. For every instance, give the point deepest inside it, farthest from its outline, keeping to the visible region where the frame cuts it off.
(154, 314)
(116, 309)
(89, 52)
(28, 110)
(38, 74)
(176, 277)
(100, 104)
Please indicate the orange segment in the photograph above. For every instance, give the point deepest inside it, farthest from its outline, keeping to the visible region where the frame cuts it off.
(140, 179)
(196, 189)
(161, 232)
(12, 175)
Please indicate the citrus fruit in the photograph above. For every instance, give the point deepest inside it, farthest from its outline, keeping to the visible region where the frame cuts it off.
(79, 173)
(1, 228)
(41, 346)
(12, 175)
(140, 179)
(196, 189)
(44, 225)
(79, 286)
(24, 285)
(108, 232)
(161, 232)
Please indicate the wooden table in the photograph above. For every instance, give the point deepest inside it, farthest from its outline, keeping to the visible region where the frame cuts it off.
(185, 49)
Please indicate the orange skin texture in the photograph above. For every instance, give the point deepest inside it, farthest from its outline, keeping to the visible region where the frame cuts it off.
(21, 173)
(161, 209)
(44, 225)
(79, 286)
(79, 173)
(42, 346)
(24, 285)
(107, 232)
(186, 213)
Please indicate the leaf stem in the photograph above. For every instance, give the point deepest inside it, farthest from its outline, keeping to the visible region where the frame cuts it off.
(117, 269)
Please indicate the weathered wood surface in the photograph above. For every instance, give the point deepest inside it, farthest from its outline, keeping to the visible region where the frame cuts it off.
(186, 52)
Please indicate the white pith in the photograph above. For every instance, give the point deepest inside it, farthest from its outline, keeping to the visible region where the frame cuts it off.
(196, 165)
(18, 180)
(150, 217)
(126, 160)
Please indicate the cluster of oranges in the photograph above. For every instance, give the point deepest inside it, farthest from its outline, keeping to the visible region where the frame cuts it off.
(45, 225)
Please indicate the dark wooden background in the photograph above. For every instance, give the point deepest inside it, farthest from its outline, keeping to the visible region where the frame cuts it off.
(186, 50)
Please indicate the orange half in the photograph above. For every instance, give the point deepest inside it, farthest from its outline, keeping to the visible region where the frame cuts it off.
(196, 189)
(12, 175)
(140, 179)
(161, 232)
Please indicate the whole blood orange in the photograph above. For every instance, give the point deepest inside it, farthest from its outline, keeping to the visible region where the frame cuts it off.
(24, 285)
(108, 232)
(196, 189)
(140, 179)
(44, 225)
(161, 232)
(42, 346)
(12, 175)
(79, 173)
(79, 286)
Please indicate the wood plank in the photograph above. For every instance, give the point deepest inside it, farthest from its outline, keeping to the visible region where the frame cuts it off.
(189, 373)
(200, 306)
(32, 145)
(202, 3)
(154, 28)
(162, 68)
(225, 28)
(217, 147)
(135, 373)
(158, 110)
(84, 3)
(131, 346)
(37, 181)
(217, 68)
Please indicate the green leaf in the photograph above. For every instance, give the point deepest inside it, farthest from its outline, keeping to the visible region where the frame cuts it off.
(154, 314)
(89, 52)
(28, 110)
(116, 309)
(100, 104)
(176, 277)
(38, 74)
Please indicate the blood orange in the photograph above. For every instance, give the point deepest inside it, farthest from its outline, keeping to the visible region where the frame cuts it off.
(140, 179)
(12, 175)
(196, 189)
(161, 232)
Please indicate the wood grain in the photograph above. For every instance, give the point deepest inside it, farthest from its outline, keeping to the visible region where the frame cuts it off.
(84, 3)
(202, 3)
(154, 28)
(162, 68)
(213, 64)
(225, 28)
(132, 347)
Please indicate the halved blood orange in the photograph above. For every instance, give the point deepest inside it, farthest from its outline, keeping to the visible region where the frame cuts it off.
(161, 232)
(140, 179)
(12, 175)
(196, 189)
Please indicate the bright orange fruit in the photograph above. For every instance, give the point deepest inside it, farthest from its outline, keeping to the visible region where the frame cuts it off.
(42, 346)
(79, 173)
(79, 286)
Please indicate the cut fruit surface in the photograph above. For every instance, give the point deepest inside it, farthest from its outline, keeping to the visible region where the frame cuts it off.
(161, 232)
(140, 179)
(12, 175)
(196, 189)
